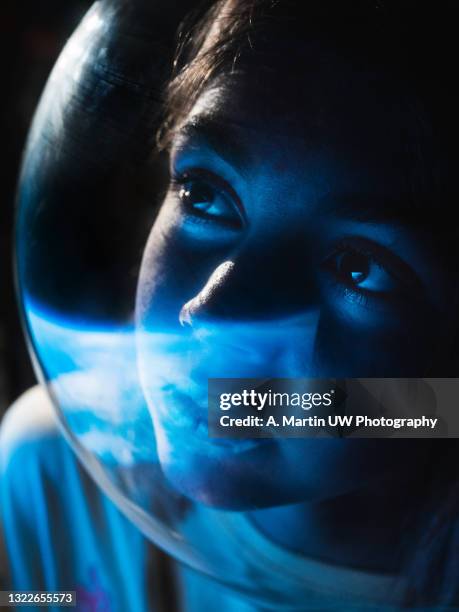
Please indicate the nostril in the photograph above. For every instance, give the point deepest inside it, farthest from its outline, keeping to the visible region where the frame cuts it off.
(197, 306)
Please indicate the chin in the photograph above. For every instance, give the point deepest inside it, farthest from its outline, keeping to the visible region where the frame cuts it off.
(230, 475)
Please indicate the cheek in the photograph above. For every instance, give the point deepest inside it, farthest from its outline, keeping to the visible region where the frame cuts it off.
(378, 345)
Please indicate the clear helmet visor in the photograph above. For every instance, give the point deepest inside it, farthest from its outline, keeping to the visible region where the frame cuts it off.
(133, 299)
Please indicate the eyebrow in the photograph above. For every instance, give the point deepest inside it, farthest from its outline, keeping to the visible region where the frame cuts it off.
(227, 138)
(374, 208)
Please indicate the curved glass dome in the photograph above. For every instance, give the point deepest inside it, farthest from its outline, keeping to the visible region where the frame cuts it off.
(131, 306)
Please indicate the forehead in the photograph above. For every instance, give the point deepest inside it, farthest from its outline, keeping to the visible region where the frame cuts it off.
(333, 124)
(328, 102)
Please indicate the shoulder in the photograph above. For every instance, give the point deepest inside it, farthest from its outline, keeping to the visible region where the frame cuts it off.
(31, 414)
(35, 463)
(29, 431)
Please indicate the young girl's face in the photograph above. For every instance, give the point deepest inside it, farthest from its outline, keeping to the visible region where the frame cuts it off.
(288, 245)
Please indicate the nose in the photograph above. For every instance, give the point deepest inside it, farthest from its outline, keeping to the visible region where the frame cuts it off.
(198, 306)
(254, 287)
(280, 347)
(252, 322)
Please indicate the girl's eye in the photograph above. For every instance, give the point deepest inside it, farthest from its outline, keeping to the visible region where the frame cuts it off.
(207, 199)
(363, 272)
(369, 274)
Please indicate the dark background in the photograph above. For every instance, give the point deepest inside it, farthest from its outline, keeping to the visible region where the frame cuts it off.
(32, 33)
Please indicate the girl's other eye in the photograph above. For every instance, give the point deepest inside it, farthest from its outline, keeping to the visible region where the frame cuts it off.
(371, 270)
(208, 198)
(363, 272)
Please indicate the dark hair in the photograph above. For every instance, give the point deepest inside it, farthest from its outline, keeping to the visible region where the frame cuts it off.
(408, 39)
(414, 43)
